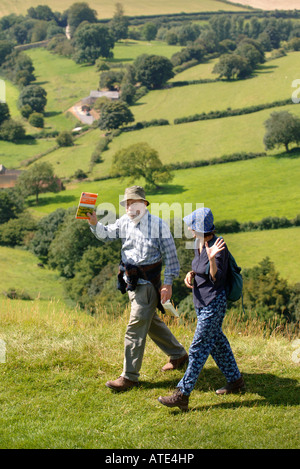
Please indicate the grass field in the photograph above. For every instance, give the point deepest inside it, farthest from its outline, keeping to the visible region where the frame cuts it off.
(106, 9)
(194, 141)
(53, 392)
(245, 190)
(67, 82)
(272, 82)
(251, 248)
(19, 270)
(187, 142)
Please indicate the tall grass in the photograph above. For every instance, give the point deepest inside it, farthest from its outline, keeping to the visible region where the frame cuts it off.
(53, 392)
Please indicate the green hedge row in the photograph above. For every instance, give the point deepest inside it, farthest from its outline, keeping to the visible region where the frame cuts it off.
(267, 223)
(230, 112)
(222, 159)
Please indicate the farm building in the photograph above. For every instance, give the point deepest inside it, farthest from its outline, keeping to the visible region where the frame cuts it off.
(8, 177)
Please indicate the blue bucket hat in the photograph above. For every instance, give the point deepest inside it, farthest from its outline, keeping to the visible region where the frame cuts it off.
(200, 220)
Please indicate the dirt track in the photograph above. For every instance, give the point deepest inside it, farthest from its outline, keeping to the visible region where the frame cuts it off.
(272, 4)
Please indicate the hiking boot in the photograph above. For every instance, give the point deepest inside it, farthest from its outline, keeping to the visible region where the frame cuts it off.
(235, 386)
(176, 400)
(121, 384)
(175, 364)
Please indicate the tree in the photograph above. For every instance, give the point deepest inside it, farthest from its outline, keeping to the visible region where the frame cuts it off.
(114, 115)
(119, 24)
(149, 31)
(69, 244)
(282, 128)
(35, 96)
(6, 48)
(252, 51)
(11, 130)
(65, 139)
(37, 180)
(4, 112)
(232, 66)
(111, 79)
(41, 12)
(80, 12)
(153, 71)
(91, 42)
(46, 231)
(140, 160)
(128, 92)
(11, 205)
(36, 119)
(264, 291)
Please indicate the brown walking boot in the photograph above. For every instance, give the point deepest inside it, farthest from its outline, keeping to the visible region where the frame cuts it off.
(176, 363)
(121, 384)
(176, 400)
(235, 386)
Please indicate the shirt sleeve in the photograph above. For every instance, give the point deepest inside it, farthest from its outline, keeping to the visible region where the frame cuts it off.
(222, 265)
(106, 232)
(169, 254)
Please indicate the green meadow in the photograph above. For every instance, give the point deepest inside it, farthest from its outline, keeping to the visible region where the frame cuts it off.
(271, 82)
(250, 248)
(66, 83)
(194, 141)
(19, 270)
(245, 190)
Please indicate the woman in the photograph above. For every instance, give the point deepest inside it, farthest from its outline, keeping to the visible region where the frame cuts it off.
(209, 274)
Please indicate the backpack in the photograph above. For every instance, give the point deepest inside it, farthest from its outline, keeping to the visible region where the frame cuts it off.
(234, 280)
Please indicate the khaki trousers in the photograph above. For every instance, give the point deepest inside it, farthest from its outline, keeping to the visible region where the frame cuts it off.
(144, 320)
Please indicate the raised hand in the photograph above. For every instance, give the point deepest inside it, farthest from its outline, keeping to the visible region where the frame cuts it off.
(92, 218)
(213, 250)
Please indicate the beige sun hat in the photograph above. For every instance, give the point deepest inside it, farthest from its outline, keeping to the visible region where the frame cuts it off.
(134, 193)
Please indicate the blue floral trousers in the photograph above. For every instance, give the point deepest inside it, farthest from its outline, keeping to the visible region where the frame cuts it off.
(209, 340)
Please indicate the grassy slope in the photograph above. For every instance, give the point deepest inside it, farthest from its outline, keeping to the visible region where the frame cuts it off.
(250, 248)
(187, 142)
(27, 276)
(106, 8)
(272, 82)
(216, 186)
(53, 393)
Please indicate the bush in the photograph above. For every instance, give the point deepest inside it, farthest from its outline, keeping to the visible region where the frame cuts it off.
(12, 130)
(80, 174)
(16, 230)
(35, 96)
(47, 229)
(26, 110)
(65, 139)
(15, 294)
(36, 120)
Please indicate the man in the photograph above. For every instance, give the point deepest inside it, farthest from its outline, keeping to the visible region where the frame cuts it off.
(146, 240)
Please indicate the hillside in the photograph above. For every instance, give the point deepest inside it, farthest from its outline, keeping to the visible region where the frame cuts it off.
(58, 360)
(66, 82)
(62, 320)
